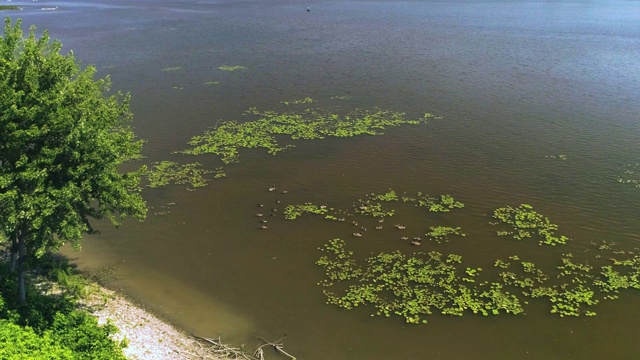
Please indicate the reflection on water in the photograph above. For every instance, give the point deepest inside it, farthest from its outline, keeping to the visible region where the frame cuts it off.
(516, 82)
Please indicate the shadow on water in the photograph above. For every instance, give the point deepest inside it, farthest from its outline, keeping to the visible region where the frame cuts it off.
(517, 84)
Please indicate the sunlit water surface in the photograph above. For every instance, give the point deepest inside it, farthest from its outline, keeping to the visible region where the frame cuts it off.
(515, 82)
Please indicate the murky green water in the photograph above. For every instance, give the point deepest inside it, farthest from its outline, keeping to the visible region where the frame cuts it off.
(514, 81)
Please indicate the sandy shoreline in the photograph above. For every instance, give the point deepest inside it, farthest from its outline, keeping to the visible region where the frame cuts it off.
(148, 337)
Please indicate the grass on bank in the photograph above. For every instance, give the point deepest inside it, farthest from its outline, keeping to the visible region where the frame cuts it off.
(51, 325)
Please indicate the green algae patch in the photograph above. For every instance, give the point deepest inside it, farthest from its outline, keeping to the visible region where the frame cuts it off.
(174, 68)
(169, 172)
(226, 138)
(524, 222)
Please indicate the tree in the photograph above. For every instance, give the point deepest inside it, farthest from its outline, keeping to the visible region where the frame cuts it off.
(63, 142)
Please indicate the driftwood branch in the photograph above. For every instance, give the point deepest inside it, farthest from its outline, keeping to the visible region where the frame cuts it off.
(218, 348)
(277, 345)
(208, 348)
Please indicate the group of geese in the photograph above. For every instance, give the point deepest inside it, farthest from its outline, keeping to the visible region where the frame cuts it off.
(416, 240)
(273, 211)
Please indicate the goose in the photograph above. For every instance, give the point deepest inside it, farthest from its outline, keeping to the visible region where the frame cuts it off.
(357, 234)
(272, 188)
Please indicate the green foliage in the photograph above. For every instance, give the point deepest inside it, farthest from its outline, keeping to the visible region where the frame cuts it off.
(525, 222)
(62, 146)
(170, 172)
(228, 137)
(231, 68)
(49, 326)
(441, 234)
(9, 7)
(17, 342)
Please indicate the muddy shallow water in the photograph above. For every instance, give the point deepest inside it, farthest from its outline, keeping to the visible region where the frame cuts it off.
(515, 83)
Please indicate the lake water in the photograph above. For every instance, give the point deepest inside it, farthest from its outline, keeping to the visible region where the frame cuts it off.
(515, 83)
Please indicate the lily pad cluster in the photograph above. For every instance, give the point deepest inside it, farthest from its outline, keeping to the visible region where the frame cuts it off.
(170, 172)
(524, 222)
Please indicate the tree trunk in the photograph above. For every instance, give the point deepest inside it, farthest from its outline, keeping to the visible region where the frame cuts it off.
(14, 252)
(22, 250)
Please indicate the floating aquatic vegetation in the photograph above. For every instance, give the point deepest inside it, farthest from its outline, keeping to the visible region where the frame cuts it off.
(388, 196)
(175, 68)
(179, 88)
(630, 175)
(373, 209)
(169, 172)
(228, 137)
(525, 222)
(292, 212)
(306, 100)
(410, 286)
(441, 234)
(211, 83)
(444, 204)
(231, 68)
(417, 285)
